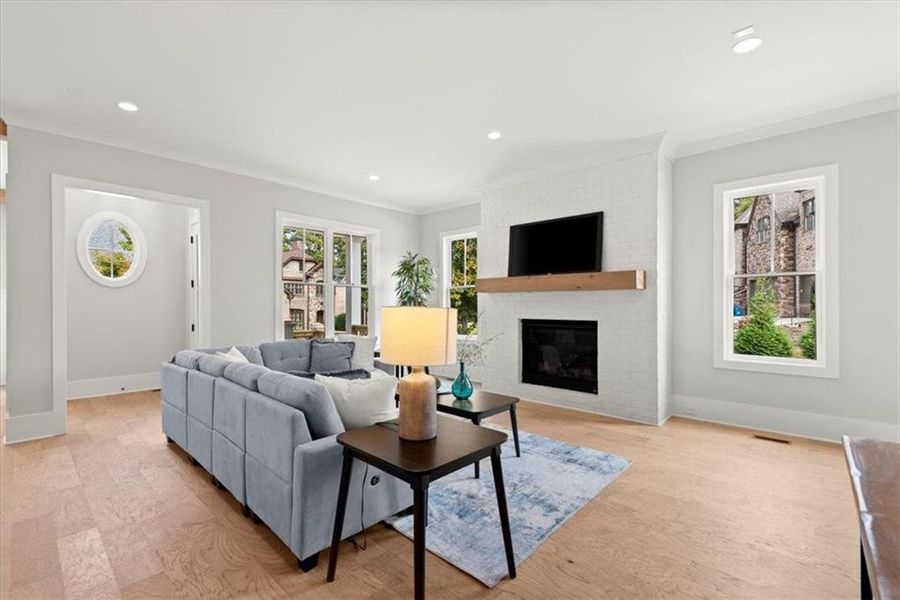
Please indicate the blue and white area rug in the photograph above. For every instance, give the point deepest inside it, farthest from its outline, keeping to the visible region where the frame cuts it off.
(546, 486)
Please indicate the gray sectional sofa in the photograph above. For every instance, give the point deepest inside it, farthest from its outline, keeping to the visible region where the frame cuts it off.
(268, 437)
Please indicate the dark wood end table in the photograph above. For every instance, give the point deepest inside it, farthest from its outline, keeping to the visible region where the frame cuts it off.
(457, 445)
(480, 406)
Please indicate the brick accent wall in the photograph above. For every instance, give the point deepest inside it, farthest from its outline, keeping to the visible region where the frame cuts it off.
(806, 238)
(758, 252)
(632, 325)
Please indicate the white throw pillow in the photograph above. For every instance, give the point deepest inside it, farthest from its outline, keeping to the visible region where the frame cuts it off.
(233, 355)
(363, 351)
(363, 402)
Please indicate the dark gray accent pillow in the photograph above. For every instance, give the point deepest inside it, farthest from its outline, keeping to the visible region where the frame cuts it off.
(348, 374)
(330, 356)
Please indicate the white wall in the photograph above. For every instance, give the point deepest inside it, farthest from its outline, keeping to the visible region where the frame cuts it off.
(433, 225)
(3, 327)
(119, 335)
(242, 219)
(865, 400)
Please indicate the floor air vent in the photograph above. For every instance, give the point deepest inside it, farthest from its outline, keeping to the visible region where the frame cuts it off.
(768, 438)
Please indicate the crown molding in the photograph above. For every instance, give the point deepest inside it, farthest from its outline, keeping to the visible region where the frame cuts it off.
(23, 120)
(828, 117)
(660, 142)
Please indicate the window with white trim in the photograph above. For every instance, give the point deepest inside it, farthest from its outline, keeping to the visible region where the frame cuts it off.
(459, 270)
(112, 249)
(324, 273)
(776, 274)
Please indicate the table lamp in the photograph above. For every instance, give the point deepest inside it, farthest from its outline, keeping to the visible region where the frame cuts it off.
(418, 336)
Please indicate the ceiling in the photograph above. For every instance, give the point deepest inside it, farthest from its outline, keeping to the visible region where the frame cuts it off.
(321, 95)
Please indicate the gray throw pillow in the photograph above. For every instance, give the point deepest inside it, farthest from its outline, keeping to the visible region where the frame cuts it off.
(330, 356)
(349, 374)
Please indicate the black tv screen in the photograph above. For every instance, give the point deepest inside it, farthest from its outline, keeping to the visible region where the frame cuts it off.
(567, 245)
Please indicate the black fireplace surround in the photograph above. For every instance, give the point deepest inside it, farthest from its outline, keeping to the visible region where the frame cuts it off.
(561, 354)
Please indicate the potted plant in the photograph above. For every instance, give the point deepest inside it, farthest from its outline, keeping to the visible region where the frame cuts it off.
(415, 280)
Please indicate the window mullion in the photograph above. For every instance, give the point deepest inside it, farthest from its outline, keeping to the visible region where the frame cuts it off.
(328, 282)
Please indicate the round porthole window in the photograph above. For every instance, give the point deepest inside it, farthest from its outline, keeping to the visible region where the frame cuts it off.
(111, 249)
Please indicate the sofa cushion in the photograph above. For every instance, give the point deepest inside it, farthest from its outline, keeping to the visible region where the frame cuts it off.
(363, 350)
(307, 396)
(289, 355)
(244, 374)
(213, 364)
(330, 356)
(200, 394)
(363, 402)
(189, 359)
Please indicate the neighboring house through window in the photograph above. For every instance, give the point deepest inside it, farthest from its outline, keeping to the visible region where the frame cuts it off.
(324, 277)
(459, 269)
(776, 274)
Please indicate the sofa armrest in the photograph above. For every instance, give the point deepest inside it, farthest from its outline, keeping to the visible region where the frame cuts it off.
(317, 476)
(386, 367)
(272, 431)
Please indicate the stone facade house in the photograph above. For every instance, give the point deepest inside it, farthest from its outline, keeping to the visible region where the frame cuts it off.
(776, 234)
(303, 296)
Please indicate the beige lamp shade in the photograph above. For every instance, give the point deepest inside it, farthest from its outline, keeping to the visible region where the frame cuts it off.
(418, 336)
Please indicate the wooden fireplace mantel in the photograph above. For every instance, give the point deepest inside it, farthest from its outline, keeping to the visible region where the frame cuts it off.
(604, 280)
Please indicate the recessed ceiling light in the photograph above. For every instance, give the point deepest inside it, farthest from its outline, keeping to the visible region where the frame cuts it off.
(128, 106)
(374, 177)
(494, 135)
(745, 40)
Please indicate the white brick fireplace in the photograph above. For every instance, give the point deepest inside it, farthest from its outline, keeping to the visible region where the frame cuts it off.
(632, 325)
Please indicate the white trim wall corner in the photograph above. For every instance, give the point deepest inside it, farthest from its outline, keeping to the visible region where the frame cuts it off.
(31, 426)
(824, 180)
(329, 228)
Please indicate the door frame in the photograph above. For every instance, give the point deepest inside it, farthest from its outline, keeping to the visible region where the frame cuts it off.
(194, 272)
(59, 184)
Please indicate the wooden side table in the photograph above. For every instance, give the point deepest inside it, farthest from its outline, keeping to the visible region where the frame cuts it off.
(480, 406)
(457, 445)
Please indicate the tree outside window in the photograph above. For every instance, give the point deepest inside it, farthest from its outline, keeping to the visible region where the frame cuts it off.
(461, 254)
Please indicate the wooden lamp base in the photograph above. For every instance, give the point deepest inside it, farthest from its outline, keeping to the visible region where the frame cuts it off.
(418, 406)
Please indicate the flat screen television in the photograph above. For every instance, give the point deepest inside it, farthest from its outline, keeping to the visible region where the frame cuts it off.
(566, 245)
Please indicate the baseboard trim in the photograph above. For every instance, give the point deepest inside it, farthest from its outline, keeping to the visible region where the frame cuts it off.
(589, 412)
(35, 426)
(780, 420)
(107, 386)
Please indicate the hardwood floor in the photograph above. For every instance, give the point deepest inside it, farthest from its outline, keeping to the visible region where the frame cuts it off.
(705, 511)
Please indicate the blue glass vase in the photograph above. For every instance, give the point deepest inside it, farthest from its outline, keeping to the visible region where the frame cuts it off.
(462, 385)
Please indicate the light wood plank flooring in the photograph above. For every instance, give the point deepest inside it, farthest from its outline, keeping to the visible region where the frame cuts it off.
(110, 510)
